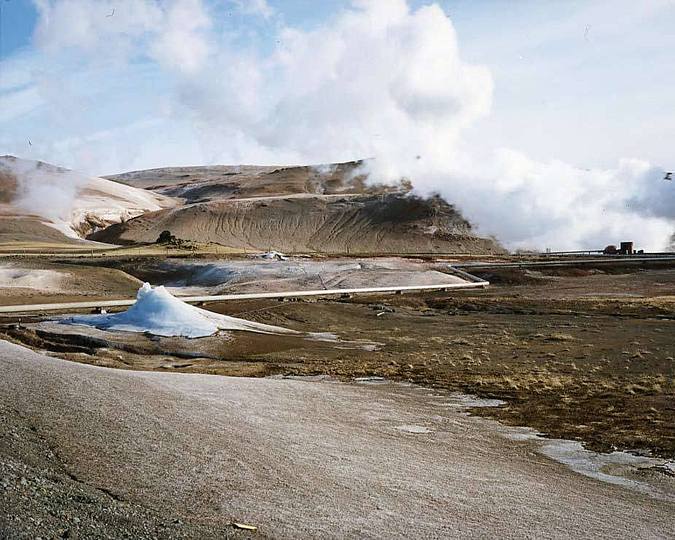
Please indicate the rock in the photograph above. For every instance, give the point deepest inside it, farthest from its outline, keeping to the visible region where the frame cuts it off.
(558, 336)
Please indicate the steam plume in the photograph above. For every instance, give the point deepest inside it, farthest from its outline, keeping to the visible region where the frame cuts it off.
(380, 80)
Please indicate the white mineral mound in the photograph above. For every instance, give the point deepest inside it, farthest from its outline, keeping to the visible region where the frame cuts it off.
(158, 312)
(13, 277)
(71, 202)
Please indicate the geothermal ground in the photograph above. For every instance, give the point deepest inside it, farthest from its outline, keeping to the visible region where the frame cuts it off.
(111, 453)
(155, 447)
(540, 406)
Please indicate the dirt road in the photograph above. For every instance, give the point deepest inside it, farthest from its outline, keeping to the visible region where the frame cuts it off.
(295, 458)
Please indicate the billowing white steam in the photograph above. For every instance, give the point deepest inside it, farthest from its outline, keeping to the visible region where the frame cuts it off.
(42, 189)
(379, 80)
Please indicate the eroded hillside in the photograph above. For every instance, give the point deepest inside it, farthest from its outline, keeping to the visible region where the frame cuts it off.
(326, 209)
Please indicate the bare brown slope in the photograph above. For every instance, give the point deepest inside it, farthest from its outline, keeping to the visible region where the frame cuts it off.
(218, 182)
(19, 226)
(43, 203)
(18, 229)
(388, 223)
(328, 208)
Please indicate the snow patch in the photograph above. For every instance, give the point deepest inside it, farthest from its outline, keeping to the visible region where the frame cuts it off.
(273, 255)
(158, 312)
(26, 278)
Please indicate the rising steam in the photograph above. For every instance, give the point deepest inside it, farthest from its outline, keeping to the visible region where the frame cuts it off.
(379, 80)
(42, 189)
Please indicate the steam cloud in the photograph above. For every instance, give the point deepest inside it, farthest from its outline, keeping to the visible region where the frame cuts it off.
(379, 80)
(42, 189)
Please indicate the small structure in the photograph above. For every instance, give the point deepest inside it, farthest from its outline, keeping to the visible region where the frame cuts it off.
(626, 248)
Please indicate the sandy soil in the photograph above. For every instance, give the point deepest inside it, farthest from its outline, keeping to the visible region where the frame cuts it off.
(85, 203)
(217, 182)
(22, 228)
(326, 209)
(163, 455)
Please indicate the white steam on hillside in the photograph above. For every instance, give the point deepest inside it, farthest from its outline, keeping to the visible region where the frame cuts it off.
(69, 201)
(379, 80)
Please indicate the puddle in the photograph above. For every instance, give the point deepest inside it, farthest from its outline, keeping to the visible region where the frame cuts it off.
(648, 475)
(329, 337)
(414, 429)
(371, 380)
(619, 468)
(306, 378)
(466, 401)
(323, 336)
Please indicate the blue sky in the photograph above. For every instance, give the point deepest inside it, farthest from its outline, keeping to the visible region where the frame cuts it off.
(18, 18)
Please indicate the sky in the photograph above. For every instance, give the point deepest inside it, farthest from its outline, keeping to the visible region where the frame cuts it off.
(561, 110)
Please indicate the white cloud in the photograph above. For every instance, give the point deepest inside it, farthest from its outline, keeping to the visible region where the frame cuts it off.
(100, 28)
(182, 43)
(379, 80)
(19, 102)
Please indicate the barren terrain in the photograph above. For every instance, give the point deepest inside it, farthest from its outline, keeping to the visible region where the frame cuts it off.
(40, 202)
(587, 355)
(345, 224)
(323, 209)
(91, 452)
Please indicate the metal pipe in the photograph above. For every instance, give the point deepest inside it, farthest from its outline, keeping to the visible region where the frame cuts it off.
(240, 296)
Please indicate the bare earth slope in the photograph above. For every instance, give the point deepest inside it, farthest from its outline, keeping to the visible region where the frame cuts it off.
(390, 223)
(24, 228)
(216, 182)
(40, 202)
(297, 459)
(39, 281)
(329, 209)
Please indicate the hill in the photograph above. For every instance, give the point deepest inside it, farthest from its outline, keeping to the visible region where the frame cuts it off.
(40, 202)
(326, 209)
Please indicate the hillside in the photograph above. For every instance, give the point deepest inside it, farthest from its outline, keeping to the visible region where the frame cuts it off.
(40, 202)
(326, 209)
(217, 182)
